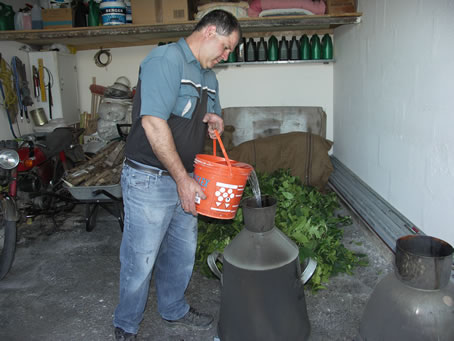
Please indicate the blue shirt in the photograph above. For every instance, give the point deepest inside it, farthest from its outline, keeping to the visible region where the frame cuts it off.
(173, 86)
(173, 80)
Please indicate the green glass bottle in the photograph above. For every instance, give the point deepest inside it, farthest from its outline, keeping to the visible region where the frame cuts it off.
(305, 47)
(272, 48)
(327, 47)
(232, 58)
(316, 47)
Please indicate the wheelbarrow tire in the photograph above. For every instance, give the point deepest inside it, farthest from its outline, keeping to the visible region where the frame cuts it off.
(9, 247)
(90, 217)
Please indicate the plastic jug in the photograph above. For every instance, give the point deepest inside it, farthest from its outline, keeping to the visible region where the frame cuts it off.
(37, 18)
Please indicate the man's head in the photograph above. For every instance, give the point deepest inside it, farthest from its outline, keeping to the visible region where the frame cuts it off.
(214, 37)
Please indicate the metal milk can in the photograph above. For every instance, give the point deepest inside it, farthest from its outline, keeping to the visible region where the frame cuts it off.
(262, 296)
(416, 301)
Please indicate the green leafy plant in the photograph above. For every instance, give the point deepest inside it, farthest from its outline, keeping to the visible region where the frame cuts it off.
(304, 214)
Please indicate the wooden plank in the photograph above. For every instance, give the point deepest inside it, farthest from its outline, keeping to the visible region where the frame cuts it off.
(133, 35)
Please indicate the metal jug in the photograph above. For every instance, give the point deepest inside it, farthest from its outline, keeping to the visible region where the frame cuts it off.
(416, 302)
(262, 296)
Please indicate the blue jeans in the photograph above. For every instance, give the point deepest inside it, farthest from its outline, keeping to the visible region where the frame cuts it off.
(157, 233)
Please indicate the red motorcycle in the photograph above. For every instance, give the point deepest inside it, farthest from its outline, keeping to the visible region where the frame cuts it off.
(31, 173)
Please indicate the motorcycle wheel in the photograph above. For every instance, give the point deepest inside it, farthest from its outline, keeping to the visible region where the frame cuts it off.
(7, 246)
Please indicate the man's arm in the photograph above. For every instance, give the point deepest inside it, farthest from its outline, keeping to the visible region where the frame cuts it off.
(161, 140)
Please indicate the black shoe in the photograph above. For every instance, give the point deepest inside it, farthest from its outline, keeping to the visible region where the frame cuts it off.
(121, 335)
(193, 319)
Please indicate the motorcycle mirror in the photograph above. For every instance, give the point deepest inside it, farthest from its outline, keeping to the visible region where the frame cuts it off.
(9, 159)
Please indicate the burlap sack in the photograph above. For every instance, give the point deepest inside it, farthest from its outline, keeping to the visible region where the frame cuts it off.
(305, 154)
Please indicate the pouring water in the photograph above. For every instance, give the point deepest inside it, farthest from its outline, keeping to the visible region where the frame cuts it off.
(254, 182)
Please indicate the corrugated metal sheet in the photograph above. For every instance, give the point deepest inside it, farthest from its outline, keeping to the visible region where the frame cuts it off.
(370, 207)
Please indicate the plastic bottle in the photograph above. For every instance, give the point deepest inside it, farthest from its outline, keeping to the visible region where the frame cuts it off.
(272, 49)
(283, 49)
(262, 50)
(305, 47)
(294, 50)
(37, 18)
(80, 18)
(93, 13)
(316, 47)
(327, 47)
(6, 17)
(19, 21)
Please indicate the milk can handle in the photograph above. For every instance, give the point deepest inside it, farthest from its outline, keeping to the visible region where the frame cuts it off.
(308, 271)
(211, 261)
(223, 150)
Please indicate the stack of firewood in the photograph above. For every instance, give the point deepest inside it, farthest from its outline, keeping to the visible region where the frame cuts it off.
(104, 168)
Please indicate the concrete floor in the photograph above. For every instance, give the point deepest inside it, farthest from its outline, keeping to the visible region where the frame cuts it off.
(64, 286)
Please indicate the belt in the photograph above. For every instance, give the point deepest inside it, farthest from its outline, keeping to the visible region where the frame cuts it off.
(146, 169)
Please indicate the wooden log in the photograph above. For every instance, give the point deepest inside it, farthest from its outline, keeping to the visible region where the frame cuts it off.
(116, 154)
(99, 175)
(100, 156)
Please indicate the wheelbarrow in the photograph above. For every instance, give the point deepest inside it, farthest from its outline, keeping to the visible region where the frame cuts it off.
(108, 197)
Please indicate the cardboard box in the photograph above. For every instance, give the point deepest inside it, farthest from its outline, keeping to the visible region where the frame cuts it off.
(57, 18)
(340, 6)
(149, 12)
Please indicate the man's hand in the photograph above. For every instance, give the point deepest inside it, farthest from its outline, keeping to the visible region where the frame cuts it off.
(188, 188)
(215, 122)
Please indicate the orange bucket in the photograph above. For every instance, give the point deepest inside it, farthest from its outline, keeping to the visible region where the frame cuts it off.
(223, 181)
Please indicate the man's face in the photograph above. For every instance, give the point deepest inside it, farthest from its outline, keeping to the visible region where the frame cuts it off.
(217, 47)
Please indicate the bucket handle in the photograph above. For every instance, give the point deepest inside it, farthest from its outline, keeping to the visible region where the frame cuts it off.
(218, 138)
(211, 261)
(311, 265)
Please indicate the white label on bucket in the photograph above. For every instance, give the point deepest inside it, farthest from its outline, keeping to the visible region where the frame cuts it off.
(221, 210)
(197, 198)
(220, 184)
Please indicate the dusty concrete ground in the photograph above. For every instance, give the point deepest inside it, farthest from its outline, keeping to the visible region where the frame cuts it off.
(64, 286)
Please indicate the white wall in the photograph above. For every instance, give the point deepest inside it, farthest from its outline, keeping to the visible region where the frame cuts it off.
(251, 85)
(393, 103)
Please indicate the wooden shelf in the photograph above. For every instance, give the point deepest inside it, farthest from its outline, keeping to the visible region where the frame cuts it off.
(280, 62)
(85, 38)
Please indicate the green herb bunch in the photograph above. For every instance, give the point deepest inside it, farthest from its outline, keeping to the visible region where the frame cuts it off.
(304, 214)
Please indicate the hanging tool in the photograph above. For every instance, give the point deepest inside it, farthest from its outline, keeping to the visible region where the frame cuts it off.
(49, 86)
(17, 88)
(22, 90)
(8, 95)
(41, 79)
(36, 89)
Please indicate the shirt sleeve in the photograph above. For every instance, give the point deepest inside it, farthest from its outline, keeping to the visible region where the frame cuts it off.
(160, 82)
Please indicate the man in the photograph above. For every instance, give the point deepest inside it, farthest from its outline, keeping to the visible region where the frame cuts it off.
(176, 101)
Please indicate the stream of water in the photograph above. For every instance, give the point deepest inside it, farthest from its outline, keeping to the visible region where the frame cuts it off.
(254, 181)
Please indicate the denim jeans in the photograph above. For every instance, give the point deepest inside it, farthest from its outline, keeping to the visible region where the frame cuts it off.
(157, 233)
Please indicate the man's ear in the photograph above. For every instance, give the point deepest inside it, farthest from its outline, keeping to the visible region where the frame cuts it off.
(210, 31)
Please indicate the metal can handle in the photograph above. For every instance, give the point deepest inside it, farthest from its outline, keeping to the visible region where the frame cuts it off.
(311, 266)
(211, 261)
